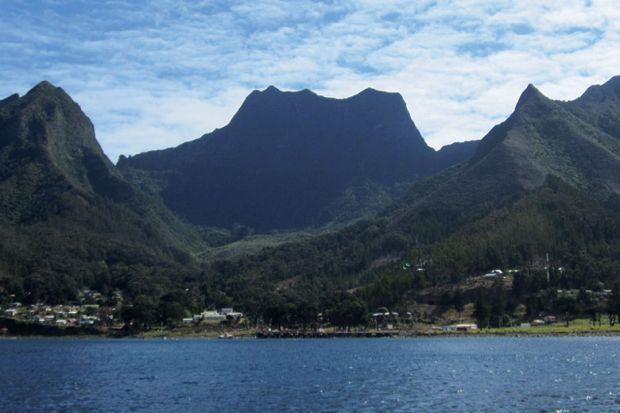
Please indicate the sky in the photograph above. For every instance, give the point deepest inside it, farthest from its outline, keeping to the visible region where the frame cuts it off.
(154, 74)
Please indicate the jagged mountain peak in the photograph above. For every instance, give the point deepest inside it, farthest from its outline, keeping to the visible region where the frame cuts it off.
(46, 93)
(391, 102)
(532, 104)
(273, 108)
(45, 86)
(48, 116)
(369, 91)
(530, 95)
(10, 99)
(271, 89)
(42, 92)
(48, 128)
(274, 92)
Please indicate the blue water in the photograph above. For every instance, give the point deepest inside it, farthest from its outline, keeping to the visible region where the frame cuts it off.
(349, 375)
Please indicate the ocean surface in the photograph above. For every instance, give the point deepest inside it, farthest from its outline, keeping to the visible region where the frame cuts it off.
(555, 374)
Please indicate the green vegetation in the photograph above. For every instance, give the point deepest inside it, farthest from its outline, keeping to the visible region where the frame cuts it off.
(543, 183)
(67, 217)
(577, 326)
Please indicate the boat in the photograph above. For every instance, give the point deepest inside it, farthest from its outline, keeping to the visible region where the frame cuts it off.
(225, 336)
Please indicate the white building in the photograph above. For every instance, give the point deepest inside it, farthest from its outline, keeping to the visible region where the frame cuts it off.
(11, 312)
(213, 316)
(494, 273)
(460, 327)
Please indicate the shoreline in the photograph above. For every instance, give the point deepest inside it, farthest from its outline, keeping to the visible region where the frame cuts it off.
(404, 335)
(579, 327)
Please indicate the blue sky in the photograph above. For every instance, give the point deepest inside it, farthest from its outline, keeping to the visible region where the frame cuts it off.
(153, 74)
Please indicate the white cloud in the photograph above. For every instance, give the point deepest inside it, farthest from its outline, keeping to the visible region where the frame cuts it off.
(152, 75)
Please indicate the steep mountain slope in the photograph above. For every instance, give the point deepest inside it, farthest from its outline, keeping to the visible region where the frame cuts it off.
(294, 160)
(564, 151)
(600, 106)
(64, 208)
(455, 153)
(542, 137)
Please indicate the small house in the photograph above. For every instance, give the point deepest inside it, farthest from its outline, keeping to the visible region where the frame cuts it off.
(212, 316)
(466, 327)
(460, 327)
(234, 315)
(494, 273)
(11, 312)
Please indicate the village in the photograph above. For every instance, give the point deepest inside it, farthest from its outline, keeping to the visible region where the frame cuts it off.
(92, 311)
(100, 314)
(382, 323)
(428, 314)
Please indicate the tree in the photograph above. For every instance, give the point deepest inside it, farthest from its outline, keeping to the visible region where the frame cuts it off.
(274, 310)
(613, 304)
(520, 311)
(567, 307)
(170, 312)
(143, 312)
(498, 304)
(348, 310)
(482, 312)
(306, 313)
(457, 299)
(518, 285)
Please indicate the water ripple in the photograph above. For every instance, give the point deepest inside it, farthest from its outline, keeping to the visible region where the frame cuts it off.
(401, 375)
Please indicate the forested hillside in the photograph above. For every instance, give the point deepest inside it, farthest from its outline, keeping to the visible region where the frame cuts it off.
(68, 217)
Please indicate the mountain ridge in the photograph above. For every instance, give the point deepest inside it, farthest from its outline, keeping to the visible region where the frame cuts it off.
(65, 209)
(303, 151)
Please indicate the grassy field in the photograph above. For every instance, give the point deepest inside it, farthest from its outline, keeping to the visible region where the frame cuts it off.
(253, 244)
(579, 326)
(189, 333)
(575, 327)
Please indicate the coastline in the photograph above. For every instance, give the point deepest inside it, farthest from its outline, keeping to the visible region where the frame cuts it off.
(172, 335)
(578, 327)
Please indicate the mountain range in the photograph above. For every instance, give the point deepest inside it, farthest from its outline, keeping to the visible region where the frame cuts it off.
(545, 181)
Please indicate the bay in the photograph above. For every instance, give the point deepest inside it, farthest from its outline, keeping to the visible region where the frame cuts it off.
(556, 374)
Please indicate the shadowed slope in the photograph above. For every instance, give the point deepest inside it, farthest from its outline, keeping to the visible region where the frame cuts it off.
(293, 160)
